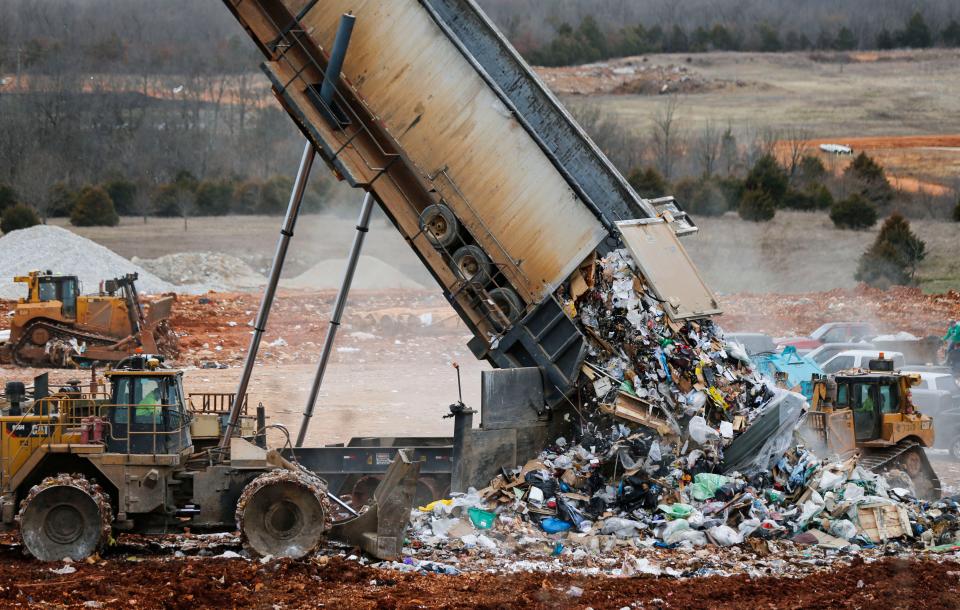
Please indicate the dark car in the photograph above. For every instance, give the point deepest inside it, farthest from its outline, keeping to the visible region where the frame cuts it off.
(831, 332)
(947, 426)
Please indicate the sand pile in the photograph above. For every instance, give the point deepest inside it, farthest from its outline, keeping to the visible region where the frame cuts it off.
(372, 274)
(45, 247)
(202, 271)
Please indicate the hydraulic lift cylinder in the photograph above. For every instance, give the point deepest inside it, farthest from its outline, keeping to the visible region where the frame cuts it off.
(286, 232)
(363, 226)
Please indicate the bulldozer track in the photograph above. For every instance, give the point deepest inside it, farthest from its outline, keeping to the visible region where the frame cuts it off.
(57, 331)
(881, 459)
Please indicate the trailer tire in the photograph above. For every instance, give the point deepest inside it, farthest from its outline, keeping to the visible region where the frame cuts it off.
(439, 225)
(472, 265)
(504, 303)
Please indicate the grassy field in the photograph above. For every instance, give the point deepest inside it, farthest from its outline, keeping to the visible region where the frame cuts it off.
(800, 252)
(796, 252)
(833, 96)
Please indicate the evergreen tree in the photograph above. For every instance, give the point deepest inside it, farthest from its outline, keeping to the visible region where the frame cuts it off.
(94, 208)
(846, 40)
(18, 216)
(894, 256)
(854, 212)
(917, 33)
(885, 40)
(951, 34)
(769, 38)
(870, 178)
(648, 183)
(757, 206)
(768, 177)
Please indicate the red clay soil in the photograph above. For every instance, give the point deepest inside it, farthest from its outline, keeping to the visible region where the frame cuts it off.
(336, 583)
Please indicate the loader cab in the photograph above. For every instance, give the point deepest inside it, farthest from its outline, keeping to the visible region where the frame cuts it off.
(147, 414)
(47, 287)
(869, 397)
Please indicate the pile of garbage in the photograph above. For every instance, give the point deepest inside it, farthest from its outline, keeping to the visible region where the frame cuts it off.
(675, 526)
(691, 392)
(651, 459)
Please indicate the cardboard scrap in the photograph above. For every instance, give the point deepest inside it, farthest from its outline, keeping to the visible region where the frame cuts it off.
(638, 411)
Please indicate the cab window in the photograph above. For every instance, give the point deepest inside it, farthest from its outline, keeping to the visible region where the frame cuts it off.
(148, 400)
(862, 398)
(48, 291)
(843, 394)
(888, 399)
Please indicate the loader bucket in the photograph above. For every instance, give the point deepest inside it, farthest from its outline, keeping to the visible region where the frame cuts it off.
(378, 529)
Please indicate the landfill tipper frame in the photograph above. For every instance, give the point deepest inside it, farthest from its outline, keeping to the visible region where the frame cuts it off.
(536, 198)
(426, 106)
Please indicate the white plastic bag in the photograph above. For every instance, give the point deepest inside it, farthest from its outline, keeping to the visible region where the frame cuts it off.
(622, 528)
(843, 528)
(700, 431)
(724, 535)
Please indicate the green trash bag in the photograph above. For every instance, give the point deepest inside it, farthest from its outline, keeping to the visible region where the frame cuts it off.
(676, 511)
(705, 485)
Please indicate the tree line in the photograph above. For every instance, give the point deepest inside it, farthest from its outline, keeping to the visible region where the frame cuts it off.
(589, 42)
(183, 197)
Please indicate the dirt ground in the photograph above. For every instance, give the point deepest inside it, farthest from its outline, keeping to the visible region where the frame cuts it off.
(337, 583)
(391, 375)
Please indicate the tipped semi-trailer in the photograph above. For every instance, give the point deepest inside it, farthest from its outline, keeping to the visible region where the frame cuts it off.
(491, 182)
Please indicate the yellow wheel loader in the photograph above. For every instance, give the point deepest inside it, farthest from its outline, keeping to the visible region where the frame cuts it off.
(870, 412)
(79, 465)
(57, 326)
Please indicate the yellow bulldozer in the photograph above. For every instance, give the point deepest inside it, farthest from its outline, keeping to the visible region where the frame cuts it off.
(57, 326)
(79, 465)
(870, 412)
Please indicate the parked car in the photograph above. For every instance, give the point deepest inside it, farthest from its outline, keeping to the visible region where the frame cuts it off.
(831, 332)
(936, 393)
(948, 432)
(754, 343)
(859, 359)
(829, 350)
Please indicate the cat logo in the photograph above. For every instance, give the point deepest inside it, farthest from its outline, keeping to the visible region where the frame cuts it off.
(28, 429)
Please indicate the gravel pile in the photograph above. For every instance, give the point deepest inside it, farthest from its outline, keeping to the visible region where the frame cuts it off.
(372, 274)
(202, 271)
(46, 247)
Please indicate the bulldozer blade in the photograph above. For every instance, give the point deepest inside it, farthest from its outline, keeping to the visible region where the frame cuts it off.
(378, 529)
(159, 310)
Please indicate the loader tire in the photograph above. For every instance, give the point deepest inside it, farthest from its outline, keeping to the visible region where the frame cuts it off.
(282, 513)
(65, 516)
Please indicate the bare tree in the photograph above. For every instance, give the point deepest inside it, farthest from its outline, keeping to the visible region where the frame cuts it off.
(666, 135)
(708, 144)
(795, 144)
(36, 177)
